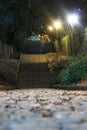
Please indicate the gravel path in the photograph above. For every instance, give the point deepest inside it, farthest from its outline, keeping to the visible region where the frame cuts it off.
(43, 109)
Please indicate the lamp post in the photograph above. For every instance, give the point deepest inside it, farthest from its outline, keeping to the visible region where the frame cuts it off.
(73, 20)
(50, 28)
(57, 26)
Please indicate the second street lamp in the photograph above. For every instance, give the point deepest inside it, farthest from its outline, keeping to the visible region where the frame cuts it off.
(58, 26)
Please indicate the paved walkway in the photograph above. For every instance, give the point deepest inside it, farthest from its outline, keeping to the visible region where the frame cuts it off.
(43, 109)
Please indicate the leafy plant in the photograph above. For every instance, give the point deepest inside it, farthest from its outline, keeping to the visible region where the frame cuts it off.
(75, 71)
(57, 66)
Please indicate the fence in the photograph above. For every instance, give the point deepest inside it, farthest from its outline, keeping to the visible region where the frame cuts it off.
(6, 50)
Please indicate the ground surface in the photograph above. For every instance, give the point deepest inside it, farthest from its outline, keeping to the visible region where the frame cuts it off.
(43, 109)
(40, 109)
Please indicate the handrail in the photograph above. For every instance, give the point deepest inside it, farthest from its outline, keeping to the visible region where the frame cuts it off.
(18, 70)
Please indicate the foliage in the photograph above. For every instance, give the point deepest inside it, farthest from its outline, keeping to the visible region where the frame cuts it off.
(57, 66)
(76, 70)
(74, 40)
(13, 17)
(18, 15)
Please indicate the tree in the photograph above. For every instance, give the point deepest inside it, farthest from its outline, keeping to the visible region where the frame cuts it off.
(18, 18)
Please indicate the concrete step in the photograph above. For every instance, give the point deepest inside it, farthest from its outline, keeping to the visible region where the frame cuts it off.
(34, 67)
(34, 58)
(34, 72)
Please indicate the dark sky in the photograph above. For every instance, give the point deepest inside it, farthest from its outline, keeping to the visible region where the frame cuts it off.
(59, 8)
(70, 3)
(63, 4)
(74, 3)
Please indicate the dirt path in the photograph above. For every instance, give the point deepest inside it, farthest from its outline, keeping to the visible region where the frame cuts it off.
(43, 109)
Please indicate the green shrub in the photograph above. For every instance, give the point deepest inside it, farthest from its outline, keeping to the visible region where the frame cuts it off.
(75, 71)
(56, 67)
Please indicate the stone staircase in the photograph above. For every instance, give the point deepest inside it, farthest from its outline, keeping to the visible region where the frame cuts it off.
(34, 72)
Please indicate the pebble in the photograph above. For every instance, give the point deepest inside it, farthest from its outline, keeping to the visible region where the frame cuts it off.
(43, 109)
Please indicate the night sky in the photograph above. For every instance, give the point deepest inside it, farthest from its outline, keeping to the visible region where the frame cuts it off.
(70, 3)
(60, 8)
(74, 4)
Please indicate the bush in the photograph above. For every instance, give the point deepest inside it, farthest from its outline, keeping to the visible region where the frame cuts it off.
(76, 70)
(57, 66)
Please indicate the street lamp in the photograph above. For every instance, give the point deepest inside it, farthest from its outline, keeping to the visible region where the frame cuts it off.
(57, 26)
(50, 28)
(73, 19)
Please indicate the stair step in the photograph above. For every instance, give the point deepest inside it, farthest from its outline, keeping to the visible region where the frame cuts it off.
(34, 72)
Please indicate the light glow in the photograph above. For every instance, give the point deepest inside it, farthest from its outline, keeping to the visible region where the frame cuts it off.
(50, 28)
(58, 24)
(73, 19)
